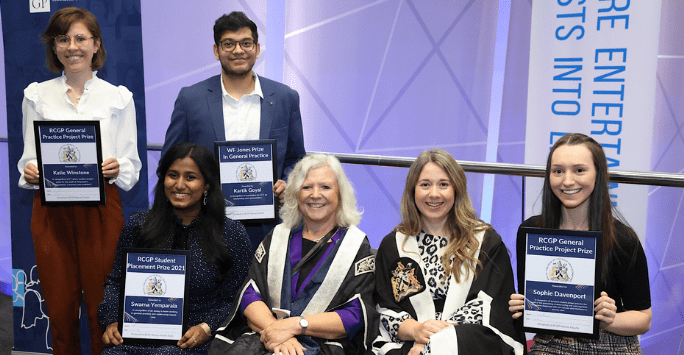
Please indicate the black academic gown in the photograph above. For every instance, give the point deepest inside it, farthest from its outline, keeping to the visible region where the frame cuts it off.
(484, 324)
(347, 274)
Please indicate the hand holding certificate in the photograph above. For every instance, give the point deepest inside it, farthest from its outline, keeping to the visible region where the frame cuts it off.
(562, 269)
(154, 295)
(69, 158)
(247, 179)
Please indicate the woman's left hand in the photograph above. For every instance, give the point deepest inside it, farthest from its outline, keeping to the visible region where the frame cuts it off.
(605, 309)
(289, 347)
(416, 349)
(516, 305)
(110, 168)
(280, 331)
(195, 336)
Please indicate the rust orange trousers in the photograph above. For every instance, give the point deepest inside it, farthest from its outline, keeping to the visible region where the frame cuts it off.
(75, 248)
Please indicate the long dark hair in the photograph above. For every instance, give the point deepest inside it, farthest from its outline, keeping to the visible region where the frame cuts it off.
(601, 214)
(161, 221)
(461, 220)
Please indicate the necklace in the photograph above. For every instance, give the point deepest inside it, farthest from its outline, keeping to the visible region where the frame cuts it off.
(331, 233)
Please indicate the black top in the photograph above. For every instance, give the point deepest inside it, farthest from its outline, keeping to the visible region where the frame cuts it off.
(484, 327)
(304, 272)
(629, 285)
(209, 300)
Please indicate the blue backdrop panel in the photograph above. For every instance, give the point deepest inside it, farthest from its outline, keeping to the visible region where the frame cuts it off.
(22, 24)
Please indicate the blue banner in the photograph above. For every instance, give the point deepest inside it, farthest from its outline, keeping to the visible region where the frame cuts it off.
(246, 152)
(70, 176)
(161, 263)
(248, 193)
(67, 134)
(153, 310)
(561, 245)
(559, 298)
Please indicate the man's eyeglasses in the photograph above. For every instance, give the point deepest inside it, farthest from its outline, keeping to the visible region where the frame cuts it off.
(229, 46)
(64, 41)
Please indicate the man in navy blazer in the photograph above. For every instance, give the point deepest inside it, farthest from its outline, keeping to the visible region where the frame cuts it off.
(198, 117)
(240, 105)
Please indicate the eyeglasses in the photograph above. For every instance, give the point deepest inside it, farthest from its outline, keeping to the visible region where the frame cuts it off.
(64, 41)
(229, 46)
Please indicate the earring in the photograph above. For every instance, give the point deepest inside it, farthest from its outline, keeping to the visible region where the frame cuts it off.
(205, 197)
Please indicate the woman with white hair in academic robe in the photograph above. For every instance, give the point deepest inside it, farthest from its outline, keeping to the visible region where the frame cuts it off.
(309, 288)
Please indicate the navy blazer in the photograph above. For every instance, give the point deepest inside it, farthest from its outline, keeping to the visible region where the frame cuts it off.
(198, 117)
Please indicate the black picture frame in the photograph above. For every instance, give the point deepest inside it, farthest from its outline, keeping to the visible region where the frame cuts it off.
(124, 292)
(597, 238)
(224, 160)
(41, 127)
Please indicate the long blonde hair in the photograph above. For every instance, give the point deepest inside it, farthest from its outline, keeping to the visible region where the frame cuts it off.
(462, 223)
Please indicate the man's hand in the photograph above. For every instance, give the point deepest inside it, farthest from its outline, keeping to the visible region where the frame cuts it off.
(279, 190)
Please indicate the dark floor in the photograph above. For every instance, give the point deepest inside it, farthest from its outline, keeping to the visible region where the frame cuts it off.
(6, 328)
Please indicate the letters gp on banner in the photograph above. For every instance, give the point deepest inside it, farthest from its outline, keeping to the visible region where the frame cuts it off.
(39, 6)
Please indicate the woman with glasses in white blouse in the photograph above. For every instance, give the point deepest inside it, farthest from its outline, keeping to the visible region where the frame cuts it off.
(75, 245)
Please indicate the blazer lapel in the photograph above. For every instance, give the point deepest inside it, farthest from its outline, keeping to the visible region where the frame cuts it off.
(215, 103)
(267, 108)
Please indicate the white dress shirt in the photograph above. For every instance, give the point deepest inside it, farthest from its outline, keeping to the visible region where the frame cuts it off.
(242, 118)
(101, 101)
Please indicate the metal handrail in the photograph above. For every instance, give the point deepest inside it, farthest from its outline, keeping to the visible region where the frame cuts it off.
(619, 176)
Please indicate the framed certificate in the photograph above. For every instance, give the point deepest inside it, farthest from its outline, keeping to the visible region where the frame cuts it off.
(69, 159)
(562, 269)
(248, 172)
(154, 295)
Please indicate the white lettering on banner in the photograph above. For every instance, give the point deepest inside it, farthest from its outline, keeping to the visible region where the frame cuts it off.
(592, 70)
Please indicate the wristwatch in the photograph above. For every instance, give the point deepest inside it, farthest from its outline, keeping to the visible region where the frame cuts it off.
(303, 323)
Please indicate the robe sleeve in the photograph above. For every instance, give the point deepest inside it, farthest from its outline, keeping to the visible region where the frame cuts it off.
(483, 324)
(358, 314)
(391, 313)
(497, 333)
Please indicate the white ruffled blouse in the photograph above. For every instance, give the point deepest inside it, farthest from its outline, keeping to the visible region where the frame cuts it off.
(101, 101)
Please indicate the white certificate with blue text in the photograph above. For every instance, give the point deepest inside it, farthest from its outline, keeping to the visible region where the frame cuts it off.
(248, 173)
(154, 295)
(562, 272)
(69, 155)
